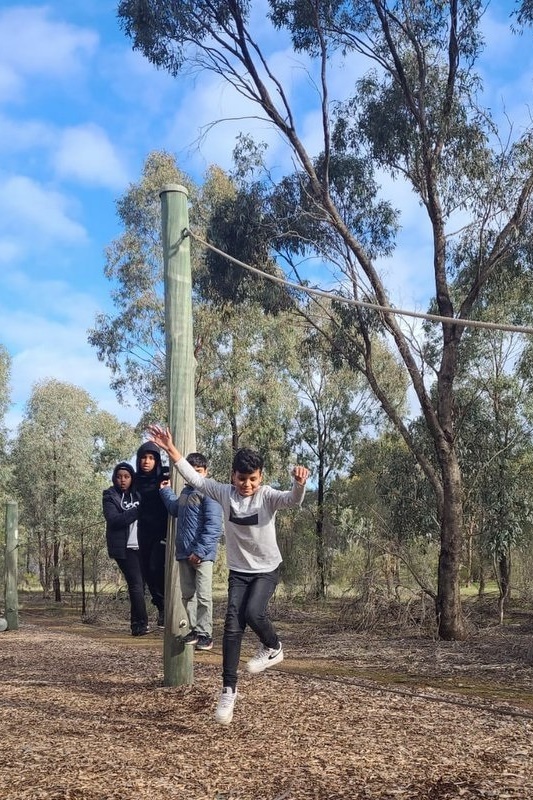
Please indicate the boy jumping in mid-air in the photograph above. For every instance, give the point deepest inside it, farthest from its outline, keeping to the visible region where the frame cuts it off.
(253, 556)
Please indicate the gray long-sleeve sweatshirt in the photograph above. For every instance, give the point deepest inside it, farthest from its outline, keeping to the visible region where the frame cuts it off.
(249, 522)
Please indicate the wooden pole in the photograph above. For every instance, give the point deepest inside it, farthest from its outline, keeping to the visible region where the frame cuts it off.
(11, 569)
(178, 659)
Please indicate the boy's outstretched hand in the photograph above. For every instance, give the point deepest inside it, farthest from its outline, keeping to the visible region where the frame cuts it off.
(163, 439)
(300, 474)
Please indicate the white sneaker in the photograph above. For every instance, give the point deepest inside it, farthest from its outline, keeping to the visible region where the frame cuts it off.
(224, 712)
(265, 657)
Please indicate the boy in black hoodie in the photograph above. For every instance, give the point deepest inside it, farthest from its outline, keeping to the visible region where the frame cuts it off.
(121, 510)
(152, 524)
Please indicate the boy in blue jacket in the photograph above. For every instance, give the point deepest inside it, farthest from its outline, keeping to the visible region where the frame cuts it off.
(198, 529)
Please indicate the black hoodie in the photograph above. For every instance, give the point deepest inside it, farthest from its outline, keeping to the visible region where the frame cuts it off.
(120, 510)
(153, 516)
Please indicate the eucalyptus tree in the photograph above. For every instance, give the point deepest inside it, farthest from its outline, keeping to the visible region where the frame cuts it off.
(5, 471)
(241, 341)
(244, 331)
(64, 449)
(244, 395)
(397, 509)
(494, 409)
(132, 340)
(413, 115)
(5, 370)
(336, 406)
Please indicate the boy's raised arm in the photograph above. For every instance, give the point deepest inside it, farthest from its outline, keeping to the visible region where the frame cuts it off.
(163, 439)
(300, 474)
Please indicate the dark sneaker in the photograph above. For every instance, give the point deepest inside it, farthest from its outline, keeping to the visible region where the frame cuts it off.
(140, 632)
(264, 658)
(204, 642)
(191, 638)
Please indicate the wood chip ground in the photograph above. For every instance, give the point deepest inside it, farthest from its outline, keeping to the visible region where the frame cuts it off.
(84, 715)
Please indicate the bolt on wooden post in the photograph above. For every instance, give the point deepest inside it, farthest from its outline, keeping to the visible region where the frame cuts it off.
(180, 368)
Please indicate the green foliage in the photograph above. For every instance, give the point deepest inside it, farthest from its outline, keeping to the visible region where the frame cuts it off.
(295, 534)
(299, 225)
(415, 115)
(394, 493)
(236, 226)
(62, 455)
(524, 12)
(163, 28)
(333, 403)
(132, 341)
(494, 409)
(5, 367)
(243, 394)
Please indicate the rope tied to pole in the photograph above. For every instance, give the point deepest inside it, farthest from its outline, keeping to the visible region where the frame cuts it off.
(330, 295)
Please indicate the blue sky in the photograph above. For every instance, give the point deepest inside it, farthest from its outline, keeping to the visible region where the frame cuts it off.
(79, 112)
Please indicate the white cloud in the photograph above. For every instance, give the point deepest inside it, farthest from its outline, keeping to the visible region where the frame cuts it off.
(17, 136)
(85, 153)
(51, 342)
(10, 250)
(500, 41)
(56, 303)
(208, 136)
(68, 364)
(213, 98)
(32, 43)
(131, 78)
(9, 83)
(28, 209)
(195, 138)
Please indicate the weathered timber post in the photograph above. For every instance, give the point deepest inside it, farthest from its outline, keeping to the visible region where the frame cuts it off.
(11, 568)
(178, 659)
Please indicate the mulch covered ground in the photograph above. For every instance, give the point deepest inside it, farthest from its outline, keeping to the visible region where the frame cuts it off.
(84, 716)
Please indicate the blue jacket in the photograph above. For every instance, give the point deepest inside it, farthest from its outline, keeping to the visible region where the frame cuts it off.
(198, 524)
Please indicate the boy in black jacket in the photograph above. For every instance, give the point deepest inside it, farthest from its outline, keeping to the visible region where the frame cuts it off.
(121, 510)
(152, 524)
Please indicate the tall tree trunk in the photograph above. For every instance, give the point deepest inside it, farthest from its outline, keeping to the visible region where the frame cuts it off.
(234, 431)
(67, 581)
(42, 577)
(390, 570)
(83, 598)
(45, 572)
(502, 565)
(320, 583)
(56, 581)
(481, 558)
(450, 619)
(470, 553)
(56, 545)
(481, 589)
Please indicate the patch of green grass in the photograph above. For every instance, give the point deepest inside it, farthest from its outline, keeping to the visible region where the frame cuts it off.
(491, 588)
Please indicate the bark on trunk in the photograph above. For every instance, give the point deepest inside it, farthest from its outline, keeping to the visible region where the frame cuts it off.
(481, 590)
(450, 619)
(470, 555)
(321, 582)
(503, 571)
(56, 581)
